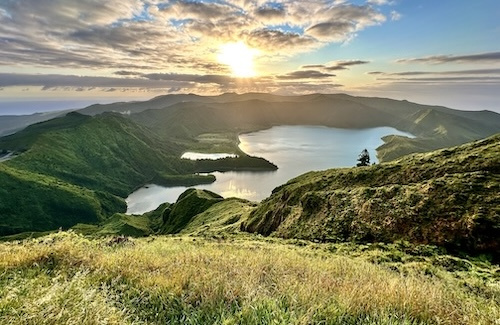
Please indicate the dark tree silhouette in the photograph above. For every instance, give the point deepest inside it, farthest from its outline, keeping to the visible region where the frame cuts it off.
(363, 158)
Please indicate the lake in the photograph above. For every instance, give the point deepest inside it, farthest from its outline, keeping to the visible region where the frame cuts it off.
(294, 149)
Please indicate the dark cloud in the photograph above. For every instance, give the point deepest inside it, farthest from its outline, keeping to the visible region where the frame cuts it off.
(439, 59)
(335, 30)
(338, 65)
(266, 38)
(270, 11)
(218, 79)
(127, 73)
(54, 80)
(305, 74)
(313, 66)
(339, 23)
(343, 65)
(446, 79)
(200, 10)
(453, 72)
(351, 63)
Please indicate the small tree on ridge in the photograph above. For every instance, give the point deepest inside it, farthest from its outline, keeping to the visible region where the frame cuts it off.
(363, 158)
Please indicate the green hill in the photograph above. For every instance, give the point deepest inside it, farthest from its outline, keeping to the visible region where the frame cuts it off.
(107, 152)
(12, 123)
(31, 201)
(447, 197)
(188, 205)
(73, 169)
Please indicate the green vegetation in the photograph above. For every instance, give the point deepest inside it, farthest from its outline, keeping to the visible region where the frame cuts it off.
(30, 201)
(183, 180)
(189, 204)
(246, 163)
(74, 168)
(107, 153)
(197, 212)
(66, 278)
(447, 198)
(221, 219)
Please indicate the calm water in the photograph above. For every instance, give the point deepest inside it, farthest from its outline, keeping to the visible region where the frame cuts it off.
(294, 149)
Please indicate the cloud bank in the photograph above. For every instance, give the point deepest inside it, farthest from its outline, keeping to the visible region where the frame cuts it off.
(175, 35)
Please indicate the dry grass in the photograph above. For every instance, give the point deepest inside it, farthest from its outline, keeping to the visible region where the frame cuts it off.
(67, 279)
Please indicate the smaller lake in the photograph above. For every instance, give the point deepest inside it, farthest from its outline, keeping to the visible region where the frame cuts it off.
(212, 156)
(294, 149)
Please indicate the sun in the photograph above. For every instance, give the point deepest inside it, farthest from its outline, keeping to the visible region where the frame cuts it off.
(239, 58)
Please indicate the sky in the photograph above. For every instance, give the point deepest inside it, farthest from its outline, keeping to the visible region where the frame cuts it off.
(58, 54)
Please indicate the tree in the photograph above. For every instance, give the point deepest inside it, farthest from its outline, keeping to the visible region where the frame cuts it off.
(363, 158)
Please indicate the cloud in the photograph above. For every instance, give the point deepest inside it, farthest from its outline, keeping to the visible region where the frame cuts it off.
(379, 2)
(447, 79)
(279, 40)
(453, 72)
(395, 15)
(440, 59)
(336, 65)
(126, 73)
(56, 80)
(177, 36)
(335, 31)
(306, 74)
(217, 79)
(340, 23)
(271, 12)
(342, 65)
(199, 10)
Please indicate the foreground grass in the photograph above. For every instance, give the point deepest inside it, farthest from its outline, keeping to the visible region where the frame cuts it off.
(65, 278)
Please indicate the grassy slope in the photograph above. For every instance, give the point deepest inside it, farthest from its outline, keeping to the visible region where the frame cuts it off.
(447, 197)
(107, 153)
(188, 205)
(222, 218)
(30, 201)
(197, 212)
(65, 278)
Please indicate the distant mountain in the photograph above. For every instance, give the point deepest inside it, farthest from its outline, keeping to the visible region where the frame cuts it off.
(447, 197)
(434, 126)
(12, 123)
(136, 107)
(192, 119)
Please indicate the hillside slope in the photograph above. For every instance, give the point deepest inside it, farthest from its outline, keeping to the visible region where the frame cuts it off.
(12, 123)
(107, 152)
(447, 197)
(30, 201)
